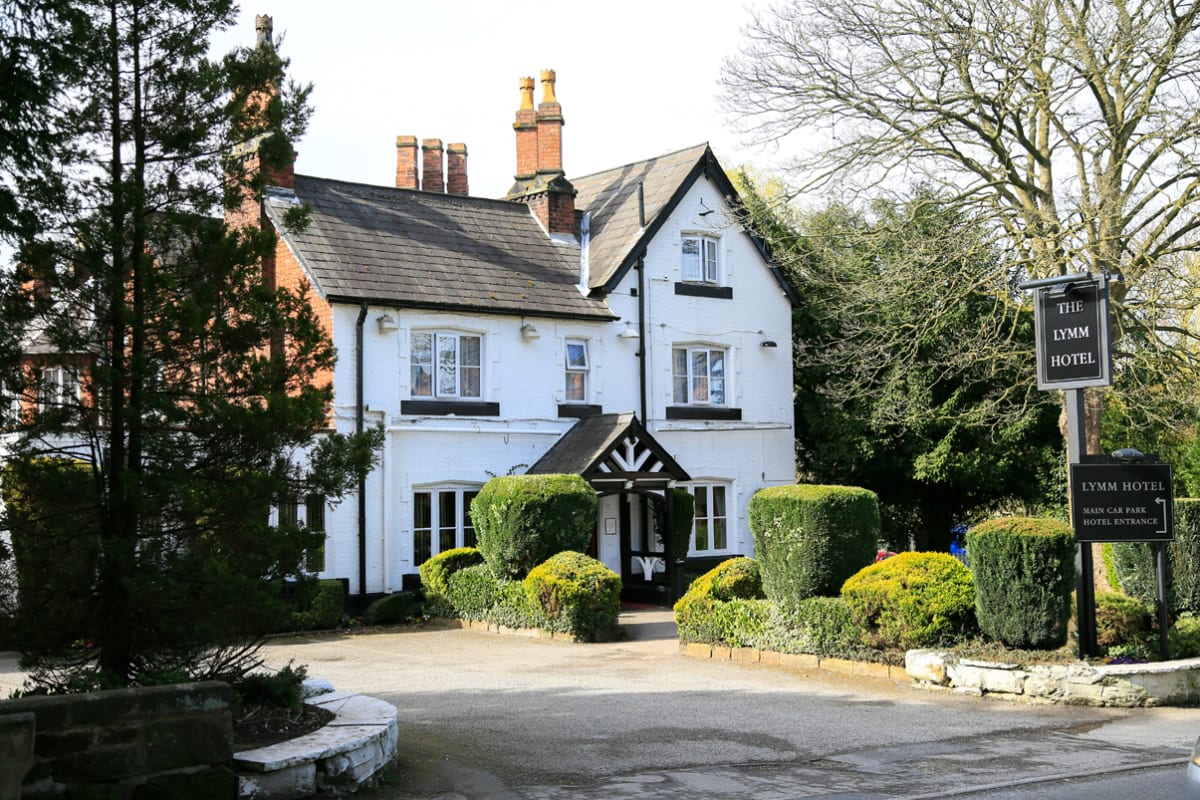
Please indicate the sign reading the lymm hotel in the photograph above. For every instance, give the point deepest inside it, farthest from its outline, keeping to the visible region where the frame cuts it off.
(1122, 502)
(1072, 336)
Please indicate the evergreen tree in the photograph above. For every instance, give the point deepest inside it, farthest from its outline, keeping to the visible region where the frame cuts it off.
(160, 363)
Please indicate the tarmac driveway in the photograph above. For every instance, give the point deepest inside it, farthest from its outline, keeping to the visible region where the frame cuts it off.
(490, 716)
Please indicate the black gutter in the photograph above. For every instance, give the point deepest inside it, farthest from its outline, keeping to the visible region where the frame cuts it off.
(358, 428)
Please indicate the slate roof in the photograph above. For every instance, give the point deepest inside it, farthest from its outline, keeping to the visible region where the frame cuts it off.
(420, 249)
(587, 446)
(611, 198)
(617, 237)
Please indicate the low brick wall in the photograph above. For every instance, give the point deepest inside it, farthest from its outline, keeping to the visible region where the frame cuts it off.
(143, 744)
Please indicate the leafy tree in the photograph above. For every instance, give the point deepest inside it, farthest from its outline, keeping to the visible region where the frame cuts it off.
(159, 357)
(1067, 126)
(909, 368)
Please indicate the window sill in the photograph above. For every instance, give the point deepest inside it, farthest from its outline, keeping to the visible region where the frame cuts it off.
(704, 290)
(449, 408)
(704, 412)
(578, 410)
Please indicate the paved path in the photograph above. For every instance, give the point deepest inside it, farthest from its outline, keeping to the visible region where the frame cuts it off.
(490, 716)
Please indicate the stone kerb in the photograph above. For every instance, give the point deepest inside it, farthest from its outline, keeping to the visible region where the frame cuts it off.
(1175, 683)
(1168, 683)
(345, 753)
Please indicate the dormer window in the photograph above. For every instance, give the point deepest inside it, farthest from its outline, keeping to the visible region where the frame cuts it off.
(700, 263)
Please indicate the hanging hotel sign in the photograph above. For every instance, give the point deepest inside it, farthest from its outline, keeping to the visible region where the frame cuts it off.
(1073, 335)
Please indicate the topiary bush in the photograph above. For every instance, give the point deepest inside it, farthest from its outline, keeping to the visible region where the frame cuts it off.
(912, 600)
(724, 605)
(472, 592)
(393, 609)
(810, 539)
(523, 520)
(1024, 570)
(513, 607)
(576, 594)
(435, 575)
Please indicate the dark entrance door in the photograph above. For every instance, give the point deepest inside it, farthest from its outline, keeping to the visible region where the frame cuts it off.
(645, 570)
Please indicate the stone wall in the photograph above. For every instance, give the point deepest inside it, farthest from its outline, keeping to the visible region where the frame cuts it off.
(143, 744)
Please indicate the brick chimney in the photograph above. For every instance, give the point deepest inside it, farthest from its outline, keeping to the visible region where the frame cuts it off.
(540, 180)
(456, 168)
(549, 127)
(527, 133)
(406, 162)
(431, 166)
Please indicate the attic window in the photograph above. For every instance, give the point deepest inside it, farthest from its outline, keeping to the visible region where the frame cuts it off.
(700, 263)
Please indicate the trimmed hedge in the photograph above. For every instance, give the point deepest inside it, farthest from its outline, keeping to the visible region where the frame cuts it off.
(1134, 563)
(392, 609)
(576, 594)
(472, 591)
(724, 605)
(1024, 571)
(821, 626)
(523, 520)
(683, 510)
(435, 573)
(810, 539)
(912, 600)
(324, 609)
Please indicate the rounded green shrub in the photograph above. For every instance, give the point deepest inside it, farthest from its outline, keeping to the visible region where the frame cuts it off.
(821, 626)
(522, 520)
(324, 608)
(810, 539)
(576, 594)
(1124, 622)
(713, 610)
(435, 572)
(472, 591)
(1024, 571)
(912, 600)
(392, 609)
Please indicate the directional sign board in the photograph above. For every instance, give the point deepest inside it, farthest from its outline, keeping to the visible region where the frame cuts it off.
(1073, 336)
(1129, 502)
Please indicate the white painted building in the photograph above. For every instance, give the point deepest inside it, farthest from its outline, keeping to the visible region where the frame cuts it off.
(630, 307)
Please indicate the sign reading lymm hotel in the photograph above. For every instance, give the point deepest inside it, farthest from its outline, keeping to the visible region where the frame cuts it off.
(1122, 502)
(1072, 335)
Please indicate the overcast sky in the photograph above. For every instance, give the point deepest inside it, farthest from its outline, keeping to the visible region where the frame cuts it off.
(636, 78)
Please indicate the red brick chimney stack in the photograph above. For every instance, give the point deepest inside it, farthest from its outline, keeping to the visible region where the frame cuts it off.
(406, 162)
(456, 168)
(549, 127)
(431, 166)
(540, 182)
(526, 126)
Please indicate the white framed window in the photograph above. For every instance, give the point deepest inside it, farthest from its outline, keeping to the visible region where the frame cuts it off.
(698, 375)
(442, 521)
(576, 371)
(290, 512)
(57, 387)
(710, 526)
(447, 365)
(700, 262)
